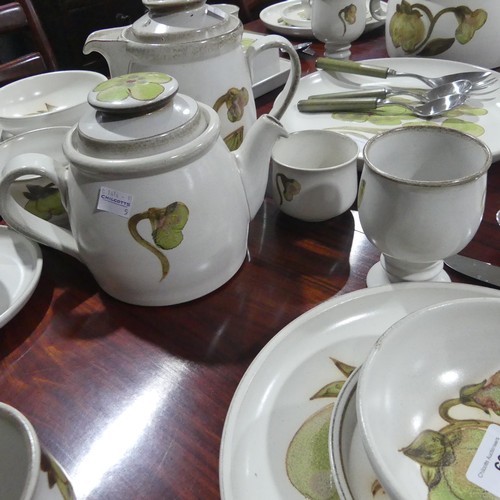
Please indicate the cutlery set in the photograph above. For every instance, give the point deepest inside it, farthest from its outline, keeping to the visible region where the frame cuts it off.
(445, 92)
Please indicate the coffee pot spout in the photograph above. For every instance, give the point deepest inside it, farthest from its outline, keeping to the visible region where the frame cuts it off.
(253, 159)
(112, 45)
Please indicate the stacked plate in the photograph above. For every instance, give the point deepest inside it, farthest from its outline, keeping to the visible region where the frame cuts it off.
(422, 414)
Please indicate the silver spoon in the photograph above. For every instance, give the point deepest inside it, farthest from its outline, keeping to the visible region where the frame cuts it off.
(479, 79)
(426, 110)
(458, 87)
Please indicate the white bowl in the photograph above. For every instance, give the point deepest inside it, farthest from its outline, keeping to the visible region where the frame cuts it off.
(353, 474)
(46, 100)
(411, 382)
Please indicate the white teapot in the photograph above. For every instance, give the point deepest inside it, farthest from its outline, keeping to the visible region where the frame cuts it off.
(200, 46)
(158, 207)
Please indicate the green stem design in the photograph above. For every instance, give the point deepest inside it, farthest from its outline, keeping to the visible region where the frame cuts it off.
(433, 20)
(283, 181)
(132, 226)
(343, 21)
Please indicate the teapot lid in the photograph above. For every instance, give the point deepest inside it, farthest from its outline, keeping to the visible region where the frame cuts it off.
(139, 114)
(180, 21)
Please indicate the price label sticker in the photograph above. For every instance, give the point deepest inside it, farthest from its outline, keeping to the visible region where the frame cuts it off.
(115, 202)
(484, 470)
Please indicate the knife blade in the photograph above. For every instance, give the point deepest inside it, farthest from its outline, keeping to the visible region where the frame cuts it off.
(477, 269)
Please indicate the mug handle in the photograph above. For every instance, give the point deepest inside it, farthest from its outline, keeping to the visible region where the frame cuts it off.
(25, 222)
(377, 11)
(278, 42)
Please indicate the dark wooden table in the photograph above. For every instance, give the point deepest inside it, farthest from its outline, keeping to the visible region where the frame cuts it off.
(132, 400)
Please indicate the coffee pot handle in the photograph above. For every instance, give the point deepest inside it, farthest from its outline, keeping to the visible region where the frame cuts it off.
(25, 222)
(278, 42)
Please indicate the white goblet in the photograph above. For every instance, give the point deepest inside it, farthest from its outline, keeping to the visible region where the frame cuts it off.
(338, 23)
(421, 199)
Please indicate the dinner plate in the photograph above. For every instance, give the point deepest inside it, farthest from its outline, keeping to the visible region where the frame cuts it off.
(275, 438)
(20, 268)
(479, 116)
(272, 18)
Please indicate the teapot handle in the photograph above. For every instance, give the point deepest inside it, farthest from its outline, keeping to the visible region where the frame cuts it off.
(278, 42)
(25, 222)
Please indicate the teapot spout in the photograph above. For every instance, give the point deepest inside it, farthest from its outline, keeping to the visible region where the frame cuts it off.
(112, 45)
(253, 158)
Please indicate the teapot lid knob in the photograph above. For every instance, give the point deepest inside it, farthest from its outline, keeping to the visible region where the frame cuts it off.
(133, 93)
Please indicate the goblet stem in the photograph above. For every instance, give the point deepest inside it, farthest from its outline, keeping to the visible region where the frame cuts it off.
(391, 270)
(338, 50)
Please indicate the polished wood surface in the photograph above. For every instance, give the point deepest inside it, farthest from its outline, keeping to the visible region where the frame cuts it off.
(132, 400)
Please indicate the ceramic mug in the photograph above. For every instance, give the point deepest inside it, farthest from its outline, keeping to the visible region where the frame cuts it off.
(447, 29)
(37, 194)
(27, 472)
(314, 174)
(338, 23)
(421, 199)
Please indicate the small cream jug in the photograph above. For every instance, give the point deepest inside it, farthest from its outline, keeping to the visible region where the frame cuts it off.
(201, 47)
(158, 207)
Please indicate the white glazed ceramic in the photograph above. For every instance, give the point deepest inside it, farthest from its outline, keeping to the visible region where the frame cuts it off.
(37, 194)
(457, 30)
(274, 400)
(314, 174)
(200, 45)
(20, 268)
(479, 116)
(158, 207)
(421, 199)
(272, 17)
(352, 472)
(46, 100)
(27, 472)
(426, 394)
(337, 23)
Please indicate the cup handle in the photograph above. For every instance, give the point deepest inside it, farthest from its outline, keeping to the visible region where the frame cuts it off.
(23, 221)
(286, 95)
(377, 11)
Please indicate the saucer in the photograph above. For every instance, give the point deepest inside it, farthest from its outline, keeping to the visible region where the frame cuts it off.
(295, 15)
(20, 268)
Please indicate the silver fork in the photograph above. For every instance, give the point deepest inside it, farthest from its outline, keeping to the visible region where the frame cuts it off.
(479, 79)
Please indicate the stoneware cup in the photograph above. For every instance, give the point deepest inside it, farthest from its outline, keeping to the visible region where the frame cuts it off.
(338, 23)
(421, 199)
(26, 471)
(314, 174)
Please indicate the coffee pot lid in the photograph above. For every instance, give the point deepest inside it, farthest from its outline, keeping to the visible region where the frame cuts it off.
(180, 21)
(141, 112)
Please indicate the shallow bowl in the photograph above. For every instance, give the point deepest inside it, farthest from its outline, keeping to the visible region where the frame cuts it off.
(46, 100)
(426, 379)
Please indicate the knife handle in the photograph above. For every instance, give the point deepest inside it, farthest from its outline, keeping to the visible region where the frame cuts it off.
(326, 105)
(330, 64)
(353, 94)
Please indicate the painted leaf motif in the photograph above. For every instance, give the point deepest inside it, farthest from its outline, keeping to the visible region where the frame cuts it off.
(112, 94)
(146, 91)
(437, 46)
(167, 225)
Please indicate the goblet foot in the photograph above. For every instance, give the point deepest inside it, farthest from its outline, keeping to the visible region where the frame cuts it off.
(338, 50)
(390, 270)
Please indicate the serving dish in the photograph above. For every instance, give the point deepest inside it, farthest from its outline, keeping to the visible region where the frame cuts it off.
(479, 116)
(279, 408)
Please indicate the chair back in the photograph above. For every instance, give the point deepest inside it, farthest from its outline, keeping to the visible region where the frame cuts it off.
(26, 49)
